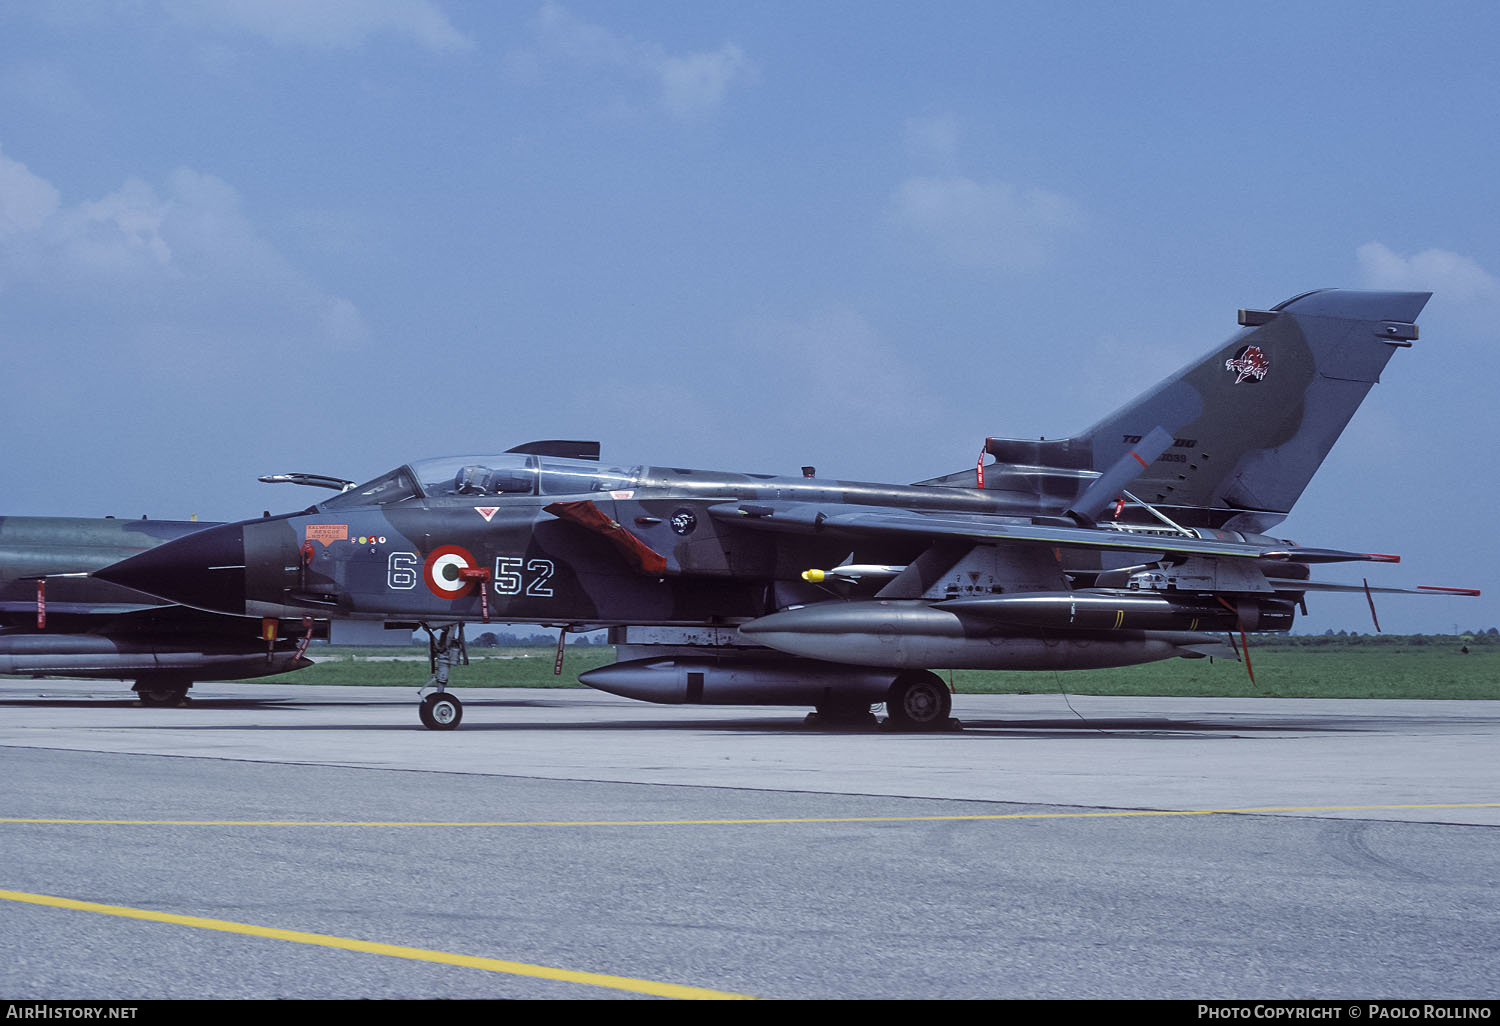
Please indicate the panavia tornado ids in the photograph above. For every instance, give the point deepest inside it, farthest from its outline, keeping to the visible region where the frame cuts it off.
(1140, 539)
(56, 620)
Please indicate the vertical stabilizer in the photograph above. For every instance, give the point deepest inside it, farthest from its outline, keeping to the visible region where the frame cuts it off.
(1253, 419)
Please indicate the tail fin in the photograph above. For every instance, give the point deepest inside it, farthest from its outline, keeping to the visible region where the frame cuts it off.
(1253, 420)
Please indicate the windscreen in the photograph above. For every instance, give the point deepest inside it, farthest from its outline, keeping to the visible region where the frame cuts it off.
(394, 486)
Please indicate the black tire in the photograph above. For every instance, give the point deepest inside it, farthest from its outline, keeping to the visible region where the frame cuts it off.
(918, 701)
(161, 693)
(843, 712)
(441, 711)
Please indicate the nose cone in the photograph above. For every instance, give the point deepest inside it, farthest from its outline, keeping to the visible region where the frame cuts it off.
(205, 570)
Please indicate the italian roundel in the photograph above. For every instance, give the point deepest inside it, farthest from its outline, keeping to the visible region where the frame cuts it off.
(443, 572)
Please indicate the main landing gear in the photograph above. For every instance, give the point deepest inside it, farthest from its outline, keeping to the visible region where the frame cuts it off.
(918, 702)
(162, 690)
(842, 714)
(440, 710)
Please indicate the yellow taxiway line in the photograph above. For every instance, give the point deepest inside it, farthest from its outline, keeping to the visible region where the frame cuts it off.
(623, 983)
(496, 965)
(1116, 813)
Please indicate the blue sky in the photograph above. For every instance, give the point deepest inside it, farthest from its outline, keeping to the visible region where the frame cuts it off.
(241, 237)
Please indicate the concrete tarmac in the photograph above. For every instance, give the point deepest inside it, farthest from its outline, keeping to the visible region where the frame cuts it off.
(1057, 846)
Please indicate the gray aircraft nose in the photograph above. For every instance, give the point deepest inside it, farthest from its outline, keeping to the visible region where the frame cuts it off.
(205, 570)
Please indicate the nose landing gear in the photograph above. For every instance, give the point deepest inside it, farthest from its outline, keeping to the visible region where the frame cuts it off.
(440, 710)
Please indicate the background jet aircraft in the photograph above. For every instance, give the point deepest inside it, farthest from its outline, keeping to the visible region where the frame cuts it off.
(55, 620)
(1139, 539)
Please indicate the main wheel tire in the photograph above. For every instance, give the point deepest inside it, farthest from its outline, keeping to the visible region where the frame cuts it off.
(919, 701)
(161, 693)
(441, 711)
(844, 713)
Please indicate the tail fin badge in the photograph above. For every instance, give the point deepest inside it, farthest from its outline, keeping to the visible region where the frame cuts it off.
(1250, 364)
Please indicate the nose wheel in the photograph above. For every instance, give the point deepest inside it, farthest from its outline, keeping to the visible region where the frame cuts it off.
(441, 711)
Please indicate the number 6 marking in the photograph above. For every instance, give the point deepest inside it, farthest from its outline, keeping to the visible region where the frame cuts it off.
(401, 571)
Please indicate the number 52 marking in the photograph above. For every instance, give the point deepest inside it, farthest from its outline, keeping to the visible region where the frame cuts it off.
(514, 575)
(511, 580)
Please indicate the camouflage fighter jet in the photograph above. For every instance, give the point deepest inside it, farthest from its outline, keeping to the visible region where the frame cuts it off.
(1140, 539)
(56, 620)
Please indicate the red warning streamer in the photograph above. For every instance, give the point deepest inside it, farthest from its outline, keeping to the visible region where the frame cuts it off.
(1371, 599)
(481, 575)
(585, 514)
(307, 633)
(1244, 637)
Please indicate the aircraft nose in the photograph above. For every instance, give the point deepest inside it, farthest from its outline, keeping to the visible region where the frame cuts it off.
(205, 570)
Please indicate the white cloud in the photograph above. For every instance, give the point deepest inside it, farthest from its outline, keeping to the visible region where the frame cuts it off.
(685, 85)
(697, 83)
(1450, 275)
(994, 226)
(562, 34)
(181, 261)
(330, 24)
(26, 201)
(933, 139)
(115, 237)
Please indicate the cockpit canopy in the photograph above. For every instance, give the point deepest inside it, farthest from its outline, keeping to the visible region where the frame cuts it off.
(486, 476)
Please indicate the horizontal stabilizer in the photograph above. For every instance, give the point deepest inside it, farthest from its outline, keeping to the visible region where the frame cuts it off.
(1360, 589)
(1305, 555)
